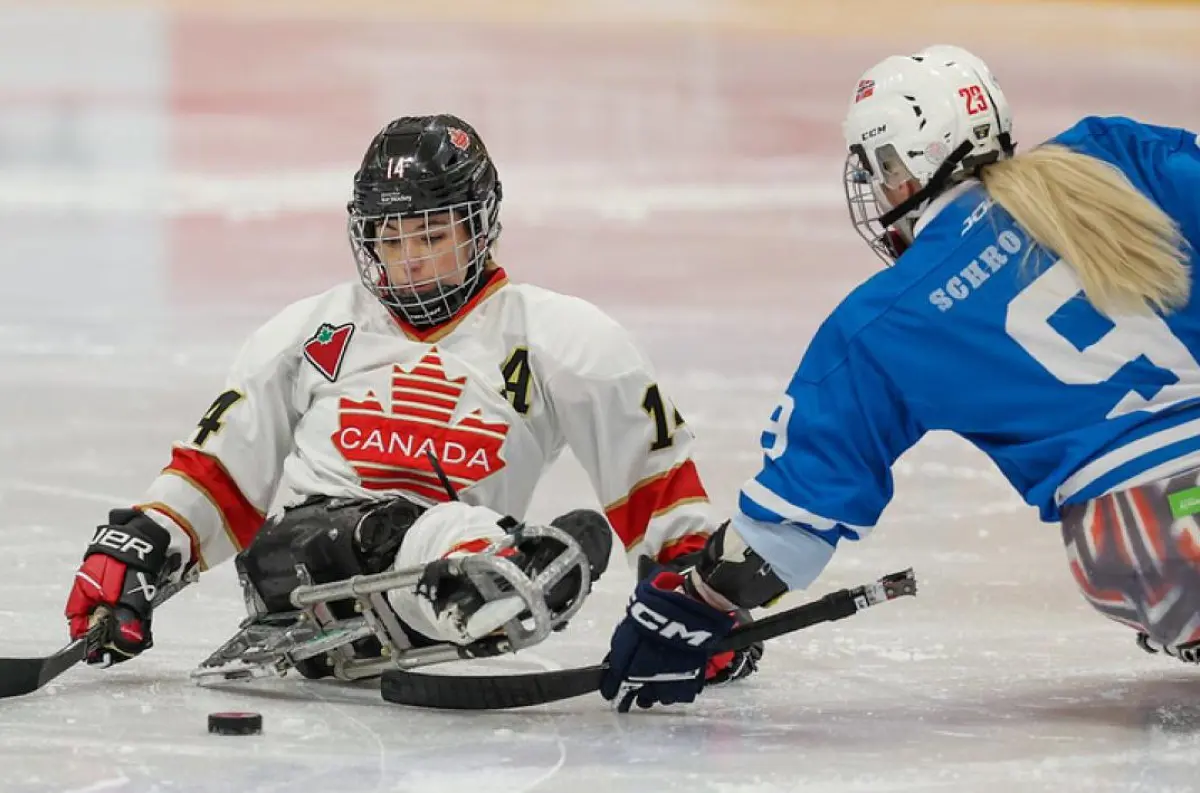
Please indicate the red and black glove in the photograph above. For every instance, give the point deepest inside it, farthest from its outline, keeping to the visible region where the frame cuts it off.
(734, 664)
(125, 563)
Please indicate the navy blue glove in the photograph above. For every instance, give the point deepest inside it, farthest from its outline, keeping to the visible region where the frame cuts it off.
(659, 651)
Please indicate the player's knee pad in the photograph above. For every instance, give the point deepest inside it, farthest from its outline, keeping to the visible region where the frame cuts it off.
(594, 534)
(448, 530)
(444, 531)
(591, 530)
(330, 539)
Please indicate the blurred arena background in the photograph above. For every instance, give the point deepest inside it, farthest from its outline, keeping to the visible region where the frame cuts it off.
(669, 139)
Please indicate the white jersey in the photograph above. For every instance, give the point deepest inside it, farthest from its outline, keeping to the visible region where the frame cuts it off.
(334, 396)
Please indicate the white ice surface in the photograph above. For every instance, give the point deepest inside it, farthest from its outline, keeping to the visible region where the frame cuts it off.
(997, 677)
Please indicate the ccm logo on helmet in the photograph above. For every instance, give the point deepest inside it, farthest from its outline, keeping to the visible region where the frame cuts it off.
(874, 132)
(108, 537)
(668, 629)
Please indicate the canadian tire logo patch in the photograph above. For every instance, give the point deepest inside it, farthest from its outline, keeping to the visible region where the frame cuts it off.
(327, 348)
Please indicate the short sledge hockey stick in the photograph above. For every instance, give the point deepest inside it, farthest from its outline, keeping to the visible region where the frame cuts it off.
(20, 676)
(492, 692)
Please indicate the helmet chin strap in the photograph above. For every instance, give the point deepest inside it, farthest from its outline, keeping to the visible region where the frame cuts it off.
(936, 184)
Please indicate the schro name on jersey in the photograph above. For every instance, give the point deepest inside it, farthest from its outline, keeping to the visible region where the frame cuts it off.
(958, 288)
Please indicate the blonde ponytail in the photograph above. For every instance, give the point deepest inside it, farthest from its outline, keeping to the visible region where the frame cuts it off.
(1127, 252)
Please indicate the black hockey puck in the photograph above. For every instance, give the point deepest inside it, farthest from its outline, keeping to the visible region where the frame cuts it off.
(234, 723)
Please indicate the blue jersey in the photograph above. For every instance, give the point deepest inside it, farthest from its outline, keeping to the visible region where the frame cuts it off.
(966, 335)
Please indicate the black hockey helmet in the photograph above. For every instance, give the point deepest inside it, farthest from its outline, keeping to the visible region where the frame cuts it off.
(436, 171)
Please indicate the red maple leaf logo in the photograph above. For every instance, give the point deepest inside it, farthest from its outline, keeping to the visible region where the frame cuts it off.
(389, 449)
(459, 139)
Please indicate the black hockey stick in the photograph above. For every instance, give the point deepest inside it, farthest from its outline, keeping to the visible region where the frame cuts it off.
(451, 493)
(491, 692)
(20, 676)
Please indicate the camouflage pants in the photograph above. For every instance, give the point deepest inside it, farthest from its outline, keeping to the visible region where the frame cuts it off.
(1136, 556)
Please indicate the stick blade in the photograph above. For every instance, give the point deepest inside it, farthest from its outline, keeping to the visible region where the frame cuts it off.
(20, 676)
(487, 692)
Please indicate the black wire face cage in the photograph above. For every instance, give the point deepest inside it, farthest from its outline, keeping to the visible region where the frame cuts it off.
(862, 198)
(425, 265)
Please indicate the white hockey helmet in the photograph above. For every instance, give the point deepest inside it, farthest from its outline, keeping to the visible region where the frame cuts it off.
(956, 56)
(934, 117)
